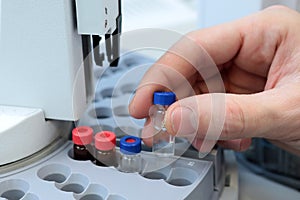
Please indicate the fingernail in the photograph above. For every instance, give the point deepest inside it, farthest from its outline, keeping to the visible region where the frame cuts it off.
(202, 154)
(204, 147)
(184, 121)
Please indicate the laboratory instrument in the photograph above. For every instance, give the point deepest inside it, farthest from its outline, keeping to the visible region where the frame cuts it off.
(49, 53)
(55, 170)
(41, 55)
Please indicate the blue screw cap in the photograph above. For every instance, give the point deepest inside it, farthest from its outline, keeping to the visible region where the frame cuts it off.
(164, 98)
(130, 145)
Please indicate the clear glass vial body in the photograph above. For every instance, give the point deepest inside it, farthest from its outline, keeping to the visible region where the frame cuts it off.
(130, 163)
(106, 158)
(163, 142)
(130, 159)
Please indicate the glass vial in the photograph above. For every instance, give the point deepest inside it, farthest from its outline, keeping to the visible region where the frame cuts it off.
(82, 143)
(130, 160)
(163, 142)
(105, 151)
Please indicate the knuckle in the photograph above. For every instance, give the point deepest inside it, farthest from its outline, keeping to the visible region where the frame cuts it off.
(234, 126)
(204, 121)
(262, 55)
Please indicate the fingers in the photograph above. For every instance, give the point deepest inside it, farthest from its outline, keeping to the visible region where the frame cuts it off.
(158, 78)
(240, 116)
(257, 54)
(236, 145)
(186, 58)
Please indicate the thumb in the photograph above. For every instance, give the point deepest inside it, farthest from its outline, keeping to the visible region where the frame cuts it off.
(221, 116)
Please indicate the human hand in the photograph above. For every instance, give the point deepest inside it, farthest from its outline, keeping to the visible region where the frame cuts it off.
(258, 58)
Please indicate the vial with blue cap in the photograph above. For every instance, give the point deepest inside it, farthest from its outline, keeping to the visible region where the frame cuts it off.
(130, 160)
(163, 142)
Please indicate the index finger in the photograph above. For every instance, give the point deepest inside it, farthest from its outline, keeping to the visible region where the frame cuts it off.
(196, 52)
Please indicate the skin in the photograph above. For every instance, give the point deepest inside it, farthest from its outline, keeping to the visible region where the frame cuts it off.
(259, 61)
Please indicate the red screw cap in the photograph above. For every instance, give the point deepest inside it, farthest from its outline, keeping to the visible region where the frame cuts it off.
(82, 135)
(105, 141)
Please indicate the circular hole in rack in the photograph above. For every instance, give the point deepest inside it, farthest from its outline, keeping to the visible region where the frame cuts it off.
(155, 175)
(182, 177)
(95, 192)
(54, 172)
(59, 178)
(74, 187)
(77, 183)
(130, 62)
(13, 194)
(103, 112)
(121, 111)
(14, 189)
(179, 182)
(107, 93)
(91, 197)
(128, 88)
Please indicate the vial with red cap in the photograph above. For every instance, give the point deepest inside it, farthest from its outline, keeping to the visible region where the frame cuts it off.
(130, 160)
(105, 153)
(82, 139)
(163, 142)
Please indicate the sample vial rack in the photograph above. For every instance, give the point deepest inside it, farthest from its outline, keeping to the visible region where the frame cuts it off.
(59, 176)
